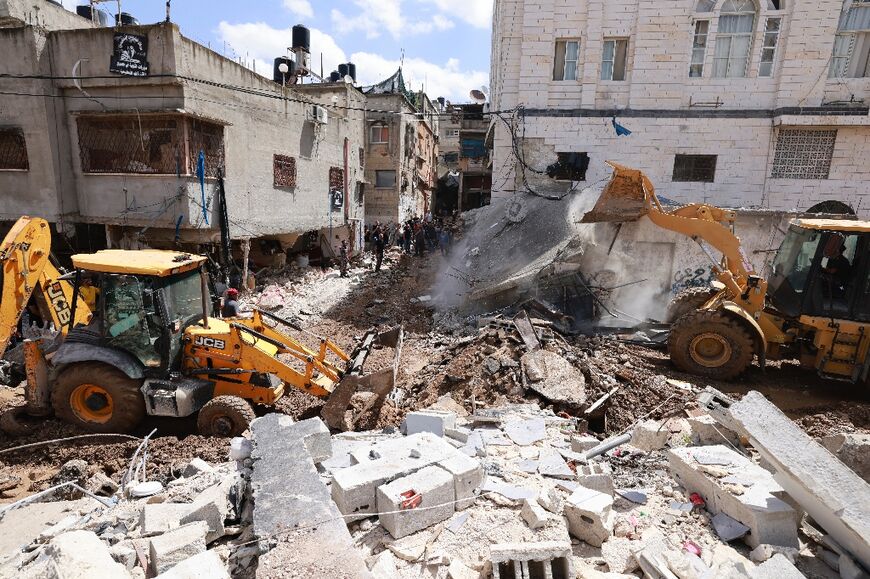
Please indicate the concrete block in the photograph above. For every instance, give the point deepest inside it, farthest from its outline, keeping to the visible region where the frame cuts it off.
(173, 547)
(550, 499)
(435, 487)
(590, 515)
(289, 493)
(597, 476)
(649, 436)
(547, 559)
(534, 514)
(196, 466)
(211, 506)
(354, 489)
(460, 433)
(206, 565)
(81, 554)
(770, 519)
(158, 518)
(853, 449)
(705, 431)
(434, 421)
(583, 442)
(315, 434)
(467, 477)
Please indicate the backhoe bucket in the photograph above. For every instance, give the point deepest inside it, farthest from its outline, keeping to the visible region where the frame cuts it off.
(623, 199)
(337, 412)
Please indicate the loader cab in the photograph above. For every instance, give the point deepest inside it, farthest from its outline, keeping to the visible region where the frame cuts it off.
(146, 300)
(822, 269)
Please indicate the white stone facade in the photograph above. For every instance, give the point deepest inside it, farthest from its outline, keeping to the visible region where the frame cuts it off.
(740, 118)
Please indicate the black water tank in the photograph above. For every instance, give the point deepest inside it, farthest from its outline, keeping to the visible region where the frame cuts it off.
(351, 70)
(101, 17)
(280, 77)
(334, 76)
(126, 19)
(342, 70)
(301, 37)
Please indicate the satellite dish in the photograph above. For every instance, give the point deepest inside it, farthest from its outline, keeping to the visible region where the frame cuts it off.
(283, 68)
(478, 96)
(348, 79)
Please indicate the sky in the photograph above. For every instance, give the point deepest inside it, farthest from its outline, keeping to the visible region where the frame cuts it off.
(446, 43)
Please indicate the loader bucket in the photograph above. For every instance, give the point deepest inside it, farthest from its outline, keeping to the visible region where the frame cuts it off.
(337, 412)
(625, 197)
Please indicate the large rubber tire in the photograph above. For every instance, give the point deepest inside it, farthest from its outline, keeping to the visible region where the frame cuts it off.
(225, 416)
(710, 344)
(99, 398)
(687, 301)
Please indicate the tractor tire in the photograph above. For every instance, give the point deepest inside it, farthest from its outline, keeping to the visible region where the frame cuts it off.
(225, 416)
(687, 301)
(710, 344)
(98, 398)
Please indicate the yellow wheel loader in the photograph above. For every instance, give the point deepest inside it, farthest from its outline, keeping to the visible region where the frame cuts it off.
(151, 347)
(813, 306)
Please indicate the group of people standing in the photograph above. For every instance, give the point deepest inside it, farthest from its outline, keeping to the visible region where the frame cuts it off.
(416, 236)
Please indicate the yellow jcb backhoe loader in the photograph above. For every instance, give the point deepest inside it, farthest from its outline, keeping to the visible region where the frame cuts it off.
(814, 306)
(151, 346)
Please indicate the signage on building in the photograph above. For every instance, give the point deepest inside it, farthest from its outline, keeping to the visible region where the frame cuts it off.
(336, 199)
(129, 55)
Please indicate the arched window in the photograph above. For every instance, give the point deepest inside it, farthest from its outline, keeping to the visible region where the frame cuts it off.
(705, 6)
(734, 38)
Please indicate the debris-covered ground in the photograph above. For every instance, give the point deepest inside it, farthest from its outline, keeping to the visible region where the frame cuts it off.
(508, 391)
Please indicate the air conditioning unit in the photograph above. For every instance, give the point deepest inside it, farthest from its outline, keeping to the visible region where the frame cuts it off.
(319, 114)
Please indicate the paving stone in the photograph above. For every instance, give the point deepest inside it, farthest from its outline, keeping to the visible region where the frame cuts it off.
(770, 519)
(432, 484)
(434, 421)
(206, 565)
(158, 518)
(590, 516)
(173, 547)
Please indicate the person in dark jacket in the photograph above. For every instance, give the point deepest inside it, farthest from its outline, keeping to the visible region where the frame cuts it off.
(230, 308)
(379, 244)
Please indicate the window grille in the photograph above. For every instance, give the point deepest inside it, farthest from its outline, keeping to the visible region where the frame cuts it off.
(13, 150)
(284, 169)
(803, 154)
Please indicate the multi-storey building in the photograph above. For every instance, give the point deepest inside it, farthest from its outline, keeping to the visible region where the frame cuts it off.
(466, 177)
(741, 103)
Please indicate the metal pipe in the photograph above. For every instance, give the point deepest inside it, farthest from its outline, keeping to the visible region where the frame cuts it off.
(608, 444)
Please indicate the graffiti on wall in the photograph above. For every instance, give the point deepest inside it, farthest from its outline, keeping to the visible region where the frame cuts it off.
(690, 277)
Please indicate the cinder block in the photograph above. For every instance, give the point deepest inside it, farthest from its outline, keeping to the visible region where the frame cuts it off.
(435, 487)
(597, 476)
(590, 515)
(583, 442)
(434, 421)
(158, 518)
(548, 559)
(467, 477)
(171, 548)
(770, 519)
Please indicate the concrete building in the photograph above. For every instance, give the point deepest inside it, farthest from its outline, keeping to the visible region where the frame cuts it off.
(129, 153)
(740, 103)
(464, 169)
(401, 152)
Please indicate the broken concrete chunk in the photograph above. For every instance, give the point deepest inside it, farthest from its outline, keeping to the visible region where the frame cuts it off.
(434, 421)
(417, 501)
(649, 436)
(554, 378)
(534, 514)
(727, 528)
(762, 553)
(596, 476)
(770, 519)
(467, 477)
(853, 449)
(590, 516)
(195, 467)
(175, 546)
(514, 493)
(526, 432)
(158, 518)
(315, 434)
(101, 485)
(385, 566)
(583, 442)
(82, 554)
(617, 551)
(706, 431)
(211, 506)
(550, 499)
(777, 567)
(552, 464)
(459, 570)
(544, 559)
(240, 448)
(206, 565)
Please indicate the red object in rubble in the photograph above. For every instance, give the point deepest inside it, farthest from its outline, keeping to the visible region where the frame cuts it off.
(411, 499)
(692, 547)
(697, 500)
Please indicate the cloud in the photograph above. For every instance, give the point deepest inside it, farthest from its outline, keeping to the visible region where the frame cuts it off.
(263, 43)
(447, 80)
(376, 16)
(478, 13)
(301, 8)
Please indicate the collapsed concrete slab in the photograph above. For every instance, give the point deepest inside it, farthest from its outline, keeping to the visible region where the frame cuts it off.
(547, 560)
(853, 449)
(829, 491)
(554, 378)
(299, 521)
(770, 519)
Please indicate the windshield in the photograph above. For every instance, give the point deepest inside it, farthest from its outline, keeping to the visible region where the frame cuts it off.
(791, 269)
(184, 296)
